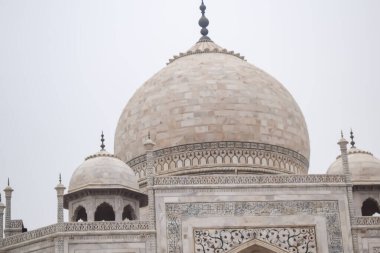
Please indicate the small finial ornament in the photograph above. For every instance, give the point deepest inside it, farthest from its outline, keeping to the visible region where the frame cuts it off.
(60, 178)
(341, 133)
(203, 22)
(352, 139)
(102, 140)
(149, 135)
(8, 181)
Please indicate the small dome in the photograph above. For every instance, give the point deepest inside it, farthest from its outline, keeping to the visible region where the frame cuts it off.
(103, 171)
(364, 167)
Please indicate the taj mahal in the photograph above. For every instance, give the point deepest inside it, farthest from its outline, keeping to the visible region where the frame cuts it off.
(211, 155)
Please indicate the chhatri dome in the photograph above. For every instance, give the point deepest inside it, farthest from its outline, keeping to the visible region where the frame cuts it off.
(103, 170)
(103, 187)
(209, 98)
(363, 166)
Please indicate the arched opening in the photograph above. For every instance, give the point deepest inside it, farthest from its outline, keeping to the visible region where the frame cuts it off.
(80, 214)
(129, 213)
(257, 246)
(104, 212)
(370, 207)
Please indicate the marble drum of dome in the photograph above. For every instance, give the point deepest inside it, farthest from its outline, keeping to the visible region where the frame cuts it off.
(209, 111)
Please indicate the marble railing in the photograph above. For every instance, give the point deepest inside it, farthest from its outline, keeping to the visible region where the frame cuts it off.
(74, 227)
(16, 224)
(249, 179)
(106, 226)
(366, 221)
(31, 235)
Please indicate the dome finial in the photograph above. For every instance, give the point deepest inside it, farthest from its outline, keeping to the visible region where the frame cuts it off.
(102, 140)
(60, 179)
(203, 22)
(352, 139)
(8, 181)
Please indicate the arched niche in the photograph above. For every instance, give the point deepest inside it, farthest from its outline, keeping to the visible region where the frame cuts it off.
(104, 212)
(129, 213)
(257, 246)
(370, 207)
(80, 214)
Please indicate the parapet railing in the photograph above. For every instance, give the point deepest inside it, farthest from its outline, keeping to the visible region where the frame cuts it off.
(366, 221)
(105, 226)
(249, 179)
(74, 227)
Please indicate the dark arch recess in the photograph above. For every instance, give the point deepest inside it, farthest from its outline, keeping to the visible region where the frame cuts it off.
(370, 207)
(80, 214)
(104, 212)
(129, 213)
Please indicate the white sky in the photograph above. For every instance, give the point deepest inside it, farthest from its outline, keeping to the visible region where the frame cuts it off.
(68, 67)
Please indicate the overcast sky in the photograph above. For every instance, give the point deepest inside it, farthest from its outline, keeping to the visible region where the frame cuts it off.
(68, 68)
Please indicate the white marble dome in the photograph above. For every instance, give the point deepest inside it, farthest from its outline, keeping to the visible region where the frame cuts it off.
(103, 171)
(208, 95)
(364, 167)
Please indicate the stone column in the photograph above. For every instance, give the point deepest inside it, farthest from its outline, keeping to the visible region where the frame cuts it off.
(8, 209)
(149, 145)
(2, 207)
(346, 170)
(60, 188)
(59, 241)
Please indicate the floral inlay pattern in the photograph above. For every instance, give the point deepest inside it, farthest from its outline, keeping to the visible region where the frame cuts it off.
(292, 239)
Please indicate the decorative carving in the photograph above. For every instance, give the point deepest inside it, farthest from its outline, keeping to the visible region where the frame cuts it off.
(29, 235)
(376, 250)
(292, 239)
(106, 226)
(251, 156)
(211, 48)
(16, 224)
(249, 179)
(75, 227)
(366, 221)
(176, 212)
(59, 245)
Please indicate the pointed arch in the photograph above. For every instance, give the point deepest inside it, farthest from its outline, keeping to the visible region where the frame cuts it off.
(256, 245)
(129, 213)
(80, 214)
(370, 207)
(104, 212)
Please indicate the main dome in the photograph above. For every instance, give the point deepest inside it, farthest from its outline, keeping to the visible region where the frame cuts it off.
(211, 95)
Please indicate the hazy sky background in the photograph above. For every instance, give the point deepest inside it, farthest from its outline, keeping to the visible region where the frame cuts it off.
(68, 68)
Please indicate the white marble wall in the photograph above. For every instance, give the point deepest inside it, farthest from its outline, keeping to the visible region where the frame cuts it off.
(291, 197)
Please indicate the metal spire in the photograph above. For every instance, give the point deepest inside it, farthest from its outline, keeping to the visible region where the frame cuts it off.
(8, 181)
(102, 140)
(352, 139)
(341, 133)
(203, 22)
(60, 178)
